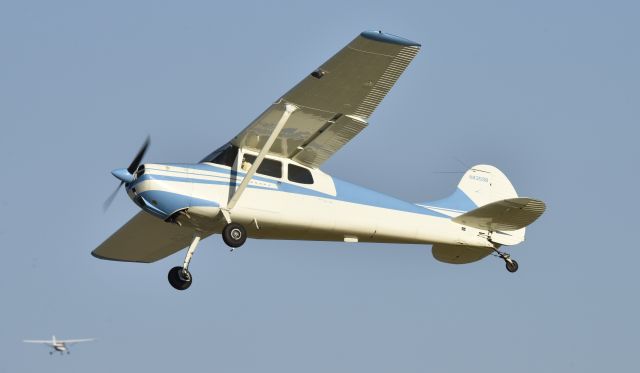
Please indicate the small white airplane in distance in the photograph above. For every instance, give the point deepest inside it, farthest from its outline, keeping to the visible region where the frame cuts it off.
(266, 182)
(60, 345)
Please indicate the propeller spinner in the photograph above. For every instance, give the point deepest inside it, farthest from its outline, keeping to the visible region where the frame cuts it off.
(125, 175)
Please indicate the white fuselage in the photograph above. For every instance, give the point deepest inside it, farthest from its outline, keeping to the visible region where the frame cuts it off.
(276, 208)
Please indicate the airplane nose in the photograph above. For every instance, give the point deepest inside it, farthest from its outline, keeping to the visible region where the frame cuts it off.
(123, 175)
(160, 197)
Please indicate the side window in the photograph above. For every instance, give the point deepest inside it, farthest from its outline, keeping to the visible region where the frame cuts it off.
(300, 175)
(226, 155)
(268, 166)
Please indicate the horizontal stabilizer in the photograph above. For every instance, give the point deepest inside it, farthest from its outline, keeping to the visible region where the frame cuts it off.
(504, 215)
(459, 254)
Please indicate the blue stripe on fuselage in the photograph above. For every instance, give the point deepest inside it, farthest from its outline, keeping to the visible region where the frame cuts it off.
(345, 191)
(352, 193)
(458, 201)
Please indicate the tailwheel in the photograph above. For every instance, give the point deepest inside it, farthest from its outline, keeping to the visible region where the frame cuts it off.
(512, 265)
(180, 278)
(234, 235)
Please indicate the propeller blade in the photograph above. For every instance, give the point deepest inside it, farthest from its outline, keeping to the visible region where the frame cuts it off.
(136, 161)
(131, 169)
(109, 200)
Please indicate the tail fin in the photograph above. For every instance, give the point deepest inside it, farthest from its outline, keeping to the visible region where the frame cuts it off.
(484, 184)
(485, 199)
(480, 185)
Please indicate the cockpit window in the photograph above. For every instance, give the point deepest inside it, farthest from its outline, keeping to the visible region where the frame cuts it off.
(226, 155)
(269, 167)
(300, 175)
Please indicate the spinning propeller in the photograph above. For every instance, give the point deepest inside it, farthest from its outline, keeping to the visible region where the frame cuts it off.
(125, 175)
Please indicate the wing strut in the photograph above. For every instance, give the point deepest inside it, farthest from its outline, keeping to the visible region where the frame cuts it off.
(289, 109)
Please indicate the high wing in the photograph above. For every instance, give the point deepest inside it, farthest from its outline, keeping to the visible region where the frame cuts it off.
(334, 102)
(38, 341)
(144, 239)
(74, 341)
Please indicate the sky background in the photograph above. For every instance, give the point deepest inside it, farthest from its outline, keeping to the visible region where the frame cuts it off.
(547, 91)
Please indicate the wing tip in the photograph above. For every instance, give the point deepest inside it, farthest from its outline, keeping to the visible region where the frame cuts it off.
(389, 38)
(96, 255)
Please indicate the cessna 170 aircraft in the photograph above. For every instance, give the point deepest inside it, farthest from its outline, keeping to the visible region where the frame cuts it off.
(266, 181)
(60, 345)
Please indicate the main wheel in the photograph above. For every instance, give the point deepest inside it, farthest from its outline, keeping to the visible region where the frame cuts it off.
(180, 278)
(512, 265)
(234, 235)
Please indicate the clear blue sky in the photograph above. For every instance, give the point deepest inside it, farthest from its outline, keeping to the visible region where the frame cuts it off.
(547, 91)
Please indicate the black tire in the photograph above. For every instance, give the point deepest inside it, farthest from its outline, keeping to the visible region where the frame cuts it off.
(512, 266)
(234, 235)
(179, 278)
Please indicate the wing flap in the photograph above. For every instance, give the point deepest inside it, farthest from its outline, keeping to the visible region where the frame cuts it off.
(505, 215)
(329, 140)
(144, 239)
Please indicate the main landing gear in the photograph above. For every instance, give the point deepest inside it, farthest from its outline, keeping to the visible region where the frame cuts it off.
(180, 277)
(234, 235)
(511, 264)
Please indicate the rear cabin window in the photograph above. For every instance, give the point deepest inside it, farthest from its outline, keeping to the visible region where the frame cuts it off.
(226, 155)
(268, 166)
(299, 174)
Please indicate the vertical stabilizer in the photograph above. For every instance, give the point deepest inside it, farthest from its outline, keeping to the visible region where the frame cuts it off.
(480, 185)
(484, 184)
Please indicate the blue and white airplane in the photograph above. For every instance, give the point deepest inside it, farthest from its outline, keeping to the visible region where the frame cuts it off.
(266, 181)
(59, 345)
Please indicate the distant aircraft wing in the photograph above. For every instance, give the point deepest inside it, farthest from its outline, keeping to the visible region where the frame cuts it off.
(334, 102)
(74, 341)
(144, 239)
(44, 342)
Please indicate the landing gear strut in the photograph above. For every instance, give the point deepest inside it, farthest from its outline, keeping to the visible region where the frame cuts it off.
(511, 264)
(180, 277)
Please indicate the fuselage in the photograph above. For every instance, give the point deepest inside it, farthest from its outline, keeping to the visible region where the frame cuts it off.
(319, 207)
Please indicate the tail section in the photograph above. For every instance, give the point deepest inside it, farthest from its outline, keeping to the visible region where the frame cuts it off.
(485, 199)
(480, 185)
(484, 184)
